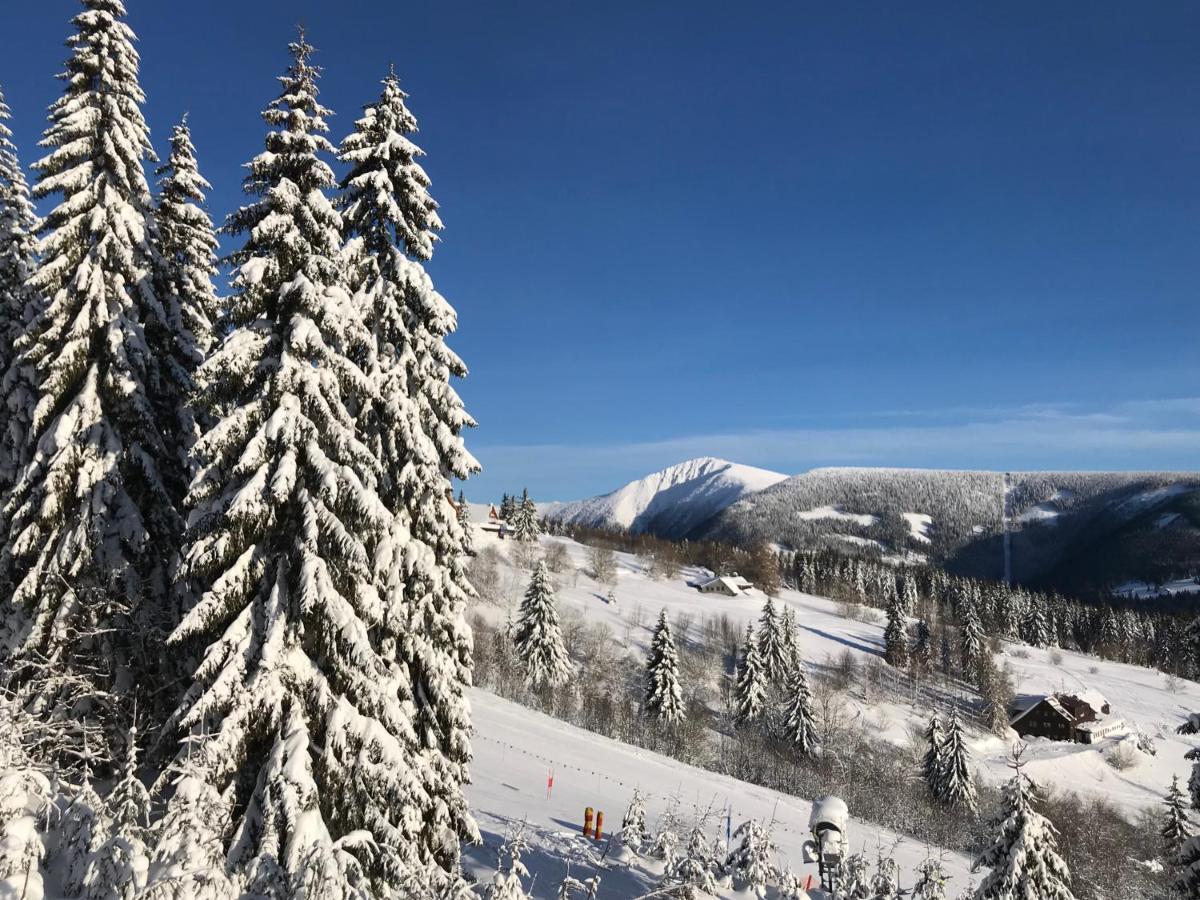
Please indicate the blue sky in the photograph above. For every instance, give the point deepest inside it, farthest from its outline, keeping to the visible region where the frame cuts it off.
(793, 234)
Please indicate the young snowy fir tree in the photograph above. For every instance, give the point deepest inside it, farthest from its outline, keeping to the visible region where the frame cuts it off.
(955, 785)
(413, 421)
(1023, 856)
(506, 885)
(118, 867)
(933, 762)
(26, 800)
(186, 264)
(798, 726)
(538, 637)
(971, 637)
(188, 862)
(525, 524)
(885, 883)
(302, 697)
(750, 689)
(697, 871)
(18, 303)
(633, 825)
(463, 513)
(895, 635)
(931, 880)
(663, 701)
(750, 862)
(1176, 828)
(772, 643)
(86, 523)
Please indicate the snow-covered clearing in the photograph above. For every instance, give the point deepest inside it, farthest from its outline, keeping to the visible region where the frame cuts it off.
(1042, 512)
(517, 749)
(1143, 590)
(918, 525)
(833, 512)
(1140, 697)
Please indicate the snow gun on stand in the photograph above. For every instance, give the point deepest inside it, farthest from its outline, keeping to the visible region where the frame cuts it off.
(827, 847)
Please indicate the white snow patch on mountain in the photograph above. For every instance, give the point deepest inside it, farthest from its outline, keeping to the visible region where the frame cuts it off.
(672, 501)
(834, 512)
(1042, 512)
(918, 525)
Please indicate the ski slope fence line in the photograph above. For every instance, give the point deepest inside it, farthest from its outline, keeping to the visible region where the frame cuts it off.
(669, 798)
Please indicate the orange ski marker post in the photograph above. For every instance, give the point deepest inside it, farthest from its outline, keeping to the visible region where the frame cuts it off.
(587, 821)
(599, 825)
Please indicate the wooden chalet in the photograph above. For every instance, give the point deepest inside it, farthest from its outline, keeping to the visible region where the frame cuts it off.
(1062, 716)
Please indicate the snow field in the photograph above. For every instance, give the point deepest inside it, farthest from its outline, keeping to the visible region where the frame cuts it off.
(1139, 697)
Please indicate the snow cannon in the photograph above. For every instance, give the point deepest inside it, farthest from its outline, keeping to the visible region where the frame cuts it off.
(828, 823)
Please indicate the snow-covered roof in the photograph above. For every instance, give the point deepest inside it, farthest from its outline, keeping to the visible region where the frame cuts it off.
(735, 584)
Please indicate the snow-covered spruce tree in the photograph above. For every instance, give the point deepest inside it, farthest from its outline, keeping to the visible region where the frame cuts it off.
(525, 525)
(750, 689)
(18, 303)
(186, 262)
(87, 521)
(188, 862)
(749, 863)
(301, 704)
(956, 781)
(413, 424)
(663, 701)
(798, 727)
(895, 635)
(772, 644)
(117, 868)
(538, 637)
(921, 658)
(463, 512)
(1023, 856)
(933, 763)
(971, 637)
(1176, 828)
(633, 824)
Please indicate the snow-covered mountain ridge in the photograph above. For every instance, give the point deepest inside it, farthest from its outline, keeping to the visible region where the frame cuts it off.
(1081, 532)
(670, 502)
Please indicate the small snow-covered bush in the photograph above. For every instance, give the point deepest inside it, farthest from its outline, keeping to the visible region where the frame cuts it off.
(1122, 756)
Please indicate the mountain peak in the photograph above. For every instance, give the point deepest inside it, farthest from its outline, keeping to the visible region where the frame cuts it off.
(673, 500)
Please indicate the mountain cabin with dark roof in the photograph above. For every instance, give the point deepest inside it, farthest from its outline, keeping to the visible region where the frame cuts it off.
(1062, 716)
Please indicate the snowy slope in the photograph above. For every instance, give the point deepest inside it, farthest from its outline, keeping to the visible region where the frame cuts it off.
(671, 502)
(516, 749)
(1140, 697)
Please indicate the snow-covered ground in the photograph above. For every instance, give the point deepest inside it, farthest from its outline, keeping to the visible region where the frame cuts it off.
(1139, 697)
(1144, 590)
(518, 749)
(833, 512)
(918, 525)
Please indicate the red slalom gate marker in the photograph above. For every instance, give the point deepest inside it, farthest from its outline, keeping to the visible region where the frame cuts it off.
(588, 813)
(599, 825)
